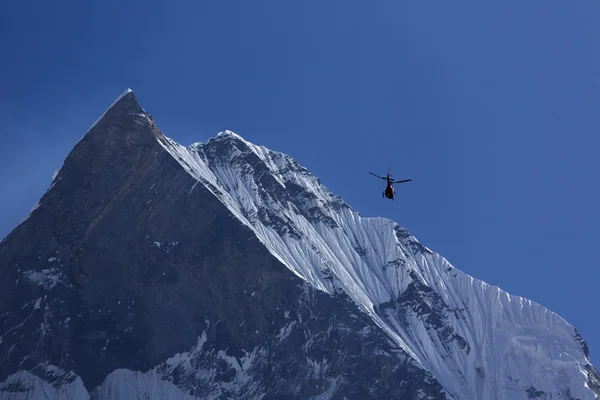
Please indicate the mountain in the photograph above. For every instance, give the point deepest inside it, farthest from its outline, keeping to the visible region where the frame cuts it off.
(150, 270)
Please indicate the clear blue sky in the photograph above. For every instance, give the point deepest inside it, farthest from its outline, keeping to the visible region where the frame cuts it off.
(492, 108)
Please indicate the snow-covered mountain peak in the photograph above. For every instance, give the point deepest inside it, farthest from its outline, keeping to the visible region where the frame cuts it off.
(230, 134)
(135, 210)
(475, 338)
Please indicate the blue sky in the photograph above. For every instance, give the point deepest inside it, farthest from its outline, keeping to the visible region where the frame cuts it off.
(490, 107)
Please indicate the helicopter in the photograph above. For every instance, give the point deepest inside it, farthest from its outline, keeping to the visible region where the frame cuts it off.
(389, 189)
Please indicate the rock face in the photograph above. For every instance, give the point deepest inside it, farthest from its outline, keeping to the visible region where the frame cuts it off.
(225, 270)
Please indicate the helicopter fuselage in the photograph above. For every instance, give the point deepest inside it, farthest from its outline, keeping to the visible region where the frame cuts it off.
(389, 191)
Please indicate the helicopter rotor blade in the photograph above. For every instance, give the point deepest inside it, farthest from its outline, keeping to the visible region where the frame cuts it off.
(405, 180)
(380, 177)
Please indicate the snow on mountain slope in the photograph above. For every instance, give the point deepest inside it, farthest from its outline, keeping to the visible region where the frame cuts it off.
(24, 385)
(477, 340)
